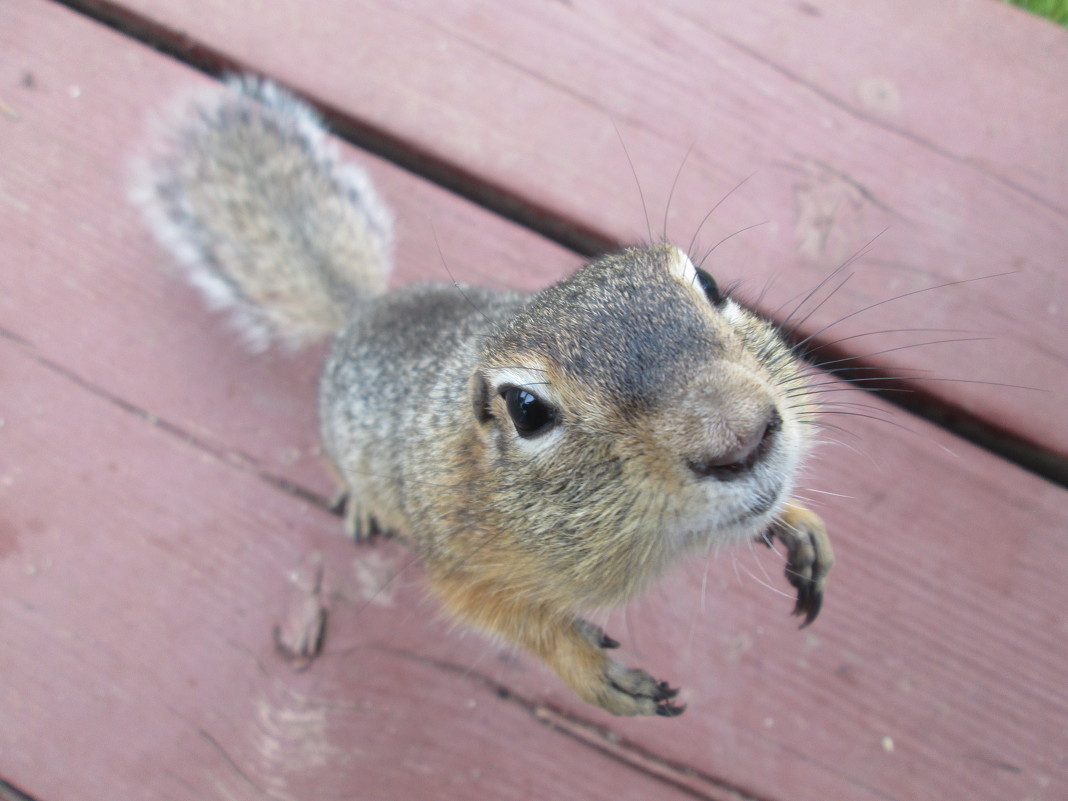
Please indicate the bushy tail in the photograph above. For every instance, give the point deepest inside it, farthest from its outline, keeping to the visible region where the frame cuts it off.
(247, 193)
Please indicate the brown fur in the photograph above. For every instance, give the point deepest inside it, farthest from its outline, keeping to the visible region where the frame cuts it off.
(667, 418)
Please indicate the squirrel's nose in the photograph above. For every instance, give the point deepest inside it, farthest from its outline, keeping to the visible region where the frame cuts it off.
(739, 460)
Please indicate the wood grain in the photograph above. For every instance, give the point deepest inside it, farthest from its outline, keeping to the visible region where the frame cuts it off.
(148, 549)
(138, 660)
(72, 255)
(926, 138)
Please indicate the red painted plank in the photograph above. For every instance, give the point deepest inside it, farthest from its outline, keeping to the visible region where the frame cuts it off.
(144, 602)
(138, 661)
(56, 106)
(936, 126)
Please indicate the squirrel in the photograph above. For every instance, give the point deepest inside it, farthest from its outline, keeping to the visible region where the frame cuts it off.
(544, 455)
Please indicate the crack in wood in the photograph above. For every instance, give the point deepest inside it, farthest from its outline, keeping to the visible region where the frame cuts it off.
(227, 455)
(238, 771)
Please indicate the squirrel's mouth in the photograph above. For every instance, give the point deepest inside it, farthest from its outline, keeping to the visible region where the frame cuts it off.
(766, 504)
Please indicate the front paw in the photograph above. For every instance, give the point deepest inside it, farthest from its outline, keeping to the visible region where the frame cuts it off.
(359, 525)
(631, 691)
(608, 684)
(809, 557)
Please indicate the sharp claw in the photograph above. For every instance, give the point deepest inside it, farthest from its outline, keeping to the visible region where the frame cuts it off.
(608, 642)
(812, 610)
(338, 502)
(664, 691)
(804, 594)
(669, 710)
(808, 559)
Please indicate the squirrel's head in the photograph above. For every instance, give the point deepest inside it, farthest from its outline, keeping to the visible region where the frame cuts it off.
(636, 400)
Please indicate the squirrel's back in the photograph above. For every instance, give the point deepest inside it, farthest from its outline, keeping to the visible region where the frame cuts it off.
(248, 194)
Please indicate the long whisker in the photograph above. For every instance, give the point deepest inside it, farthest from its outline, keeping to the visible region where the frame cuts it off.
(452, 278)
(711, 211)
(711, 250)
(863, 251)
(876, 305)
(884, 332)
(671, 194)
(942, 379)
(637, 183)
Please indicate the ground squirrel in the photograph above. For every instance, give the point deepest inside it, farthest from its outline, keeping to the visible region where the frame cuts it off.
(544, 454)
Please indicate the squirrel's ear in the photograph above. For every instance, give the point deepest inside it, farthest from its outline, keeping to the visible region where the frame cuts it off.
(480, 396)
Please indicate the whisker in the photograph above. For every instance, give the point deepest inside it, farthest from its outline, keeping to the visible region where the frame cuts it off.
(766, 584)
(861, 357)
(637, 183)
(728, 237)
(671, 194)
(863, 251)
(930, 379)
(369, 600)
(834, 494)
(815, 309)
(711, 211)
(833, 384)
(825, 426)
(825, 405)
(766, 288)
(902, 296)
(886, 331)
(452, 278)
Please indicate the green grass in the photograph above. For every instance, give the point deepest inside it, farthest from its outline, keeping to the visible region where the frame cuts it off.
(1056, 10)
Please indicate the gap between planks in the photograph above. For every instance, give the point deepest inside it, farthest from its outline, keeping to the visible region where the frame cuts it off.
(9, 792)
(585, 241)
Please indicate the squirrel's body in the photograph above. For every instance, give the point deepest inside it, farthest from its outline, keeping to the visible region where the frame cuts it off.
(430, 331)
(545, 454)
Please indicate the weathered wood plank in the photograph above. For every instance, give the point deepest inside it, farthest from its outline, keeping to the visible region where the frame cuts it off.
(144, 603)
(71, 255)
(136, 620)
(936, 129)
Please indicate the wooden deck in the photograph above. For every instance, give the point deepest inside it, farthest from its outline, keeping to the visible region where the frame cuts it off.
(162, 501)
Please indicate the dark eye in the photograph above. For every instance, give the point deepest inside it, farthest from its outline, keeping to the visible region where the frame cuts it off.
(530, 414)
(708, 284)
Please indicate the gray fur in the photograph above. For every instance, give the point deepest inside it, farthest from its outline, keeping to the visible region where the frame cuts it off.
(677, 422)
